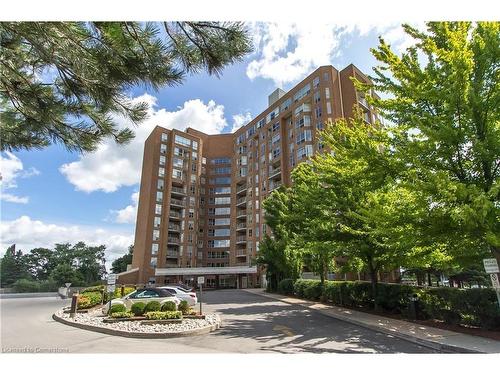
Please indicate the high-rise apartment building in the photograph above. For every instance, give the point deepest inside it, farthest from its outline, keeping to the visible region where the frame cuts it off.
(200, 204)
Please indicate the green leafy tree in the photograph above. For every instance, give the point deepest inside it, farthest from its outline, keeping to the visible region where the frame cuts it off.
(64, 273)
(443, 99)
(66, 82)
(120, 264)
(39, 262)
(12, 267)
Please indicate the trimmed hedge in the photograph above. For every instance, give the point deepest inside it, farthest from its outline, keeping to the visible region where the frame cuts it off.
(152, 306)
(33, 286)
(117, 308)
(89, 299)
(184, 307)
(476, 307)
(161, 315)
(169, 306)
(122, 314)
(138, 308)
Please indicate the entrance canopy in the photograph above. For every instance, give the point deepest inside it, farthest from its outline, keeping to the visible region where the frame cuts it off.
(205, 271)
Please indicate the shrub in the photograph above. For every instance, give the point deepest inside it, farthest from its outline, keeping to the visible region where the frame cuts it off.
(169, 306)
(121, 314)
(92, 298)
(138, 308)
(26, 286)
(183, 307)
(118, 307)
(97, 288)
(286, 286)
(161, 315)
(152, 306)
(126, 290)
(83, 302)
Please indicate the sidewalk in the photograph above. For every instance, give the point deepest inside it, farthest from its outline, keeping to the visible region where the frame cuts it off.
(435, 338)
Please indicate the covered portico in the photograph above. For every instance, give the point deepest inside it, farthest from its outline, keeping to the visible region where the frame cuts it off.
(238, 274)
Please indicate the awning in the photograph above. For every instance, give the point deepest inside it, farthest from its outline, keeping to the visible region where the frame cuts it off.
(201, 271)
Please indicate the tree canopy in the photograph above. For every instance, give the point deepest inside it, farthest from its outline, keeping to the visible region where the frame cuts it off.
(62, 82)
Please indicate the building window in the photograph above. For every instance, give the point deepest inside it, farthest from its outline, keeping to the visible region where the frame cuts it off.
(275, 139)
(317, 97)
(286, 104)
(161, 172)
(177, 163)
(160, 184)
(195, 145)
(329, 108)
(156, 234)
(327, 93)
(223, 200)
(162, 160)
(182, 141)
(218, 243)
(304, 151)
(304, 91)
(276, 152)
(317, 111)
(154, 249)
(243, 171)
(164, 137)
(159, 196)
(154, 262)
(304, 136)
(163, 149)
(222, 211)
(319, 125)
(316, 82)
(223, 170)
(220, 161)
(157, 221)
(177, 174)
(158, 209)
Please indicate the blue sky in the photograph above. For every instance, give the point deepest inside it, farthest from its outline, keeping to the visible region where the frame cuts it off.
(52, 195)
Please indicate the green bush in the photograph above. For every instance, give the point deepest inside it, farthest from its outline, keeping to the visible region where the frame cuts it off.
(476, 307)
(126, 290)
(121, 314)
(161, 315)
(138, 308)
(118, 307)
(169, 306)
(152, 306)
(286, 286)
(26, 286)
(97, 288)
(89, 299)
(184, 307)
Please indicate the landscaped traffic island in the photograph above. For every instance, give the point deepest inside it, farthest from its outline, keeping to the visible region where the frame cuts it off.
(150, 326)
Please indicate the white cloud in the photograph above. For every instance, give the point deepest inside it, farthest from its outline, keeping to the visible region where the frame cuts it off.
(28, 233)
(14, 198)
(241, 119)
(287, 52)
(128, 214)
(112, 166)
(11, 168)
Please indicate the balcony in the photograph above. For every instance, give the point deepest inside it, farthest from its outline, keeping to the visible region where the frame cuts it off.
(176, 202)
(241, 201)
(275, 185)
(174, 227)
(173, 240)
(241, 226)
(241, 214)
(363, 102)
(274, 172)
(304, 108)
(172, 254)
(175, 215)
(177, 191)
(241, 188)
(241, 239)
(241, 253)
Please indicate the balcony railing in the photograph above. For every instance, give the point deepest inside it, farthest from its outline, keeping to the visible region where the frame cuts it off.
(241, 226)
(174, 227)
(241, 239)
(174, 214)
(241, 253)
(241, 201)
(173, 240)
(275, 186)
(241, 188)
(363, 102)
(178, 190)
(274, 172)
(241, 213)
(176, 202)
(172, 254)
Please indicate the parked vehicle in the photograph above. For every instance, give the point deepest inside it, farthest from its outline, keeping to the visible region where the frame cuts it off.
(181, 286)
(143, 295)
(188, 296)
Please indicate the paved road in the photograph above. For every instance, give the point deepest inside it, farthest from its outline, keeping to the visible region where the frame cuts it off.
(250, 324)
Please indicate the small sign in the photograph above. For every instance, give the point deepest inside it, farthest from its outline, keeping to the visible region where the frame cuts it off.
(494, 281)
(111, 288)
(201, 279)
(112, 279)
(491, 265)
(67, 285)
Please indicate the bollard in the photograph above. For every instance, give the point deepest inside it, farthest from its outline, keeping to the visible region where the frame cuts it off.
(74, 305)
(123, 291)
(413, 307)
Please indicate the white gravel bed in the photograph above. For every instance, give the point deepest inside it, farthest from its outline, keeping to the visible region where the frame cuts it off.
(95, 318)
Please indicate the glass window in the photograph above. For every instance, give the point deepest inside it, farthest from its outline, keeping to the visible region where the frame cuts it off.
(160, 185)
(329, 108)
(317, 97)
(304, 152)
(195, 145)
(304, 136)
(177, 174)
(222, 180)
(163, 149)
(222, 211)
(158, 209)
(223, 200)
(154, 263)
(316, 82)
(327, 92)
(243, 171)
(222, 221)
(220, 161)
(159, 196)
(222, 190)
(162, 160)
(182, 141)
(154, 249)
(157, 221)
(177, 162)
(164, 137)
(317, 111)
(161, 172)
(286, 104)
(222, 170)
(156, 234)
(304, 91)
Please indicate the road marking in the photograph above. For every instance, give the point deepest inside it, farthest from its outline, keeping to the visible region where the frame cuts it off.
(284, 329)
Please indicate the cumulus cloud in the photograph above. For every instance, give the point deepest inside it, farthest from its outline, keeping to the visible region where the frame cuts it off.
(112, 166)
(287, 52)
(128, 214)
(241, 119)
(28, 234)
(11, 168)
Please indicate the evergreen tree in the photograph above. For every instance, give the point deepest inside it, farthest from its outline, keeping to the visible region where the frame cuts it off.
(61, 82)
(12, 267)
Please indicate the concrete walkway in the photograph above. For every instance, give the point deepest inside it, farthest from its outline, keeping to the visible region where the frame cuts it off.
(447, 341)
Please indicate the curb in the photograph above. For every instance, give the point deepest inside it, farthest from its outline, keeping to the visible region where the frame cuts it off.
(137, 335)
(427, 343)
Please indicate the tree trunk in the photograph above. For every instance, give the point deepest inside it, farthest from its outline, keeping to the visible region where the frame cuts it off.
(429, 280)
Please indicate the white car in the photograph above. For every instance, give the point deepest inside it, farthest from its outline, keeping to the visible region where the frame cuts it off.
(143, 295)
(183, 295)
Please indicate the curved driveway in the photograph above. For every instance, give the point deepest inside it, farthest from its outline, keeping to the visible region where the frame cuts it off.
(250, 324)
